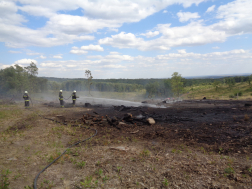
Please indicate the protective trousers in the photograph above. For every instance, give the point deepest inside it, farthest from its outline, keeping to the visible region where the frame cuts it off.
(62, 103)
(27, 103)
(74, 102)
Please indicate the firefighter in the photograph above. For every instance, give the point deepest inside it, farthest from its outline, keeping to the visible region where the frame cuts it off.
(74, 97)
(61, 99)
(26, 98)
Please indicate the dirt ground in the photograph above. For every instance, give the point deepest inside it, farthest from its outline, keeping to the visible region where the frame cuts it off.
(193, 144)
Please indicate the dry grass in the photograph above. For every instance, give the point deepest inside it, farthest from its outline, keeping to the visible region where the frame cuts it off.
(246, 117)
(222, 93)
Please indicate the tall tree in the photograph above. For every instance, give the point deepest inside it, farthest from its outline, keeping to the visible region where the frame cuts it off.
(177, 84)
(89, 76)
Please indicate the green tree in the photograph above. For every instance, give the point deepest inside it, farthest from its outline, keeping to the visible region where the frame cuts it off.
(152, 89)
(230, 82)
(177, 84)
(249, 79)
(216, 84)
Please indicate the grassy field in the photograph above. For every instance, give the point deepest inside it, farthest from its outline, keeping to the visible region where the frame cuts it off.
(223, 92)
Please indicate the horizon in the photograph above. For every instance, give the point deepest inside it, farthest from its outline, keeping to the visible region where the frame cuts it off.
(127, 39)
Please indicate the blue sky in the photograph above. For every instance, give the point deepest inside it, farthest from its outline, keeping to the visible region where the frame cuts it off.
(127, 38)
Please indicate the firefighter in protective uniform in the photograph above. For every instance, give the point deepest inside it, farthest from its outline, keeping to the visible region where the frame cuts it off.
(74, 97)
(27, 99)
(61, 99)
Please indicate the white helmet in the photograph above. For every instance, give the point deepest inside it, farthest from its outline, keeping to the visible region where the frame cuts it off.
(74, 91)
(25, 92)
(60, 90)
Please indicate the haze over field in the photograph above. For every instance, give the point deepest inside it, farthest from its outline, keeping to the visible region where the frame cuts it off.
(126, 38)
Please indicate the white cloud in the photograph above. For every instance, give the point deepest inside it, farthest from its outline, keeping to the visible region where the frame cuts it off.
(33, 53)
(182, 51)
(192, 34)
(42, 57)
(236, 18)
(213, 55)
(123, 40)
(150, 34)
(162, 65)
(165, 11)
(185, 16)
(50, 65)
(75, 48)
(210, 9)
(14, 52)
(57, 56)
(92, 48)
(95, 57)
(216, 47)
(121, 57)
(78, 51)
(66, 28)
(25, 62)
(114, 53)
(113, 66)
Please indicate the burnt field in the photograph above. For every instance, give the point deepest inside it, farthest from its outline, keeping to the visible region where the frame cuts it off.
(186, 144)
(224, 125)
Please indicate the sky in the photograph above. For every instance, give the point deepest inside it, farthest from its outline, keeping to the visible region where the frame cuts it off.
(127, 38)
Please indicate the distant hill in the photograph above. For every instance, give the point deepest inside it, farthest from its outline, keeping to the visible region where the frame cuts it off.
(216, 76)
(186, 77)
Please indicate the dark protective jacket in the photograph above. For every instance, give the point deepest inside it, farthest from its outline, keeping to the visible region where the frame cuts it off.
(26, 97)
(60, 96)
(74, 96)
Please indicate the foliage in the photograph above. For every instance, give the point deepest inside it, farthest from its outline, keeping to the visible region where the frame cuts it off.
(16, 79)
(177, 84)
(230, 82)
(216, 84)
(87, 182)
(239, 93)
(81, 164)
(4, 180)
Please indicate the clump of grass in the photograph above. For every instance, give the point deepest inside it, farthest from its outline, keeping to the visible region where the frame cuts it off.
(229, 170)
(4, 179)
(81, 164)
(145, 153)
(165, 182)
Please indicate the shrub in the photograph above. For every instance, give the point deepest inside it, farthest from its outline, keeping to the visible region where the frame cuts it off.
(4, 180)
(239, 93)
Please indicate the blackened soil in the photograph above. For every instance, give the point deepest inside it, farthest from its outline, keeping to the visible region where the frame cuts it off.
(223, 126)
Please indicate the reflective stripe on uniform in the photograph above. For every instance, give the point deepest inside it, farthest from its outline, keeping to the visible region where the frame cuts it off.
(74, 99)
(27, 100)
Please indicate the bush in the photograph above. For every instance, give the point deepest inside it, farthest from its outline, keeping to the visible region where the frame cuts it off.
(231, 96)
(239, 93)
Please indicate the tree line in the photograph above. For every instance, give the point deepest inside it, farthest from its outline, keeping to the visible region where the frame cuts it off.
(16, 79)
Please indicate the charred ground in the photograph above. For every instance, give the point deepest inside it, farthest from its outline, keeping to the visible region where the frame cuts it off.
(193, 144)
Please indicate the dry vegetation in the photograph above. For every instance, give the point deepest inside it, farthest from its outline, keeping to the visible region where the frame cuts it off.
(222, 93)
(28, 143)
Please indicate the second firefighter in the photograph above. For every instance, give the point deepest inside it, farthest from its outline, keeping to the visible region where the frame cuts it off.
(61, 99)
(74, 97)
